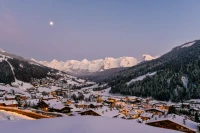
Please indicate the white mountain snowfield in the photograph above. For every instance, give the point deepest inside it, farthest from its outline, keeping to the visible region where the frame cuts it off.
(79, 124)
(95, 65)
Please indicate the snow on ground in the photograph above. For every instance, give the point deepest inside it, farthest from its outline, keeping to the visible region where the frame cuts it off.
(141, 77)
(9, 89)
(45, 89)
(72, 82)
(105, 93)
(22, 85)
(6, 115)
(79, 124)
(91, 87)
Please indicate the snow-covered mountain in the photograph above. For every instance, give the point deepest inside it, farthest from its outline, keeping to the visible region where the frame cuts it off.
(95, 65)
(146, 57)
(1, 50)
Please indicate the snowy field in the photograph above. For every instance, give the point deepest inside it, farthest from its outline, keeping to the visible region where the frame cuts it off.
(80, 124)
(6, 115)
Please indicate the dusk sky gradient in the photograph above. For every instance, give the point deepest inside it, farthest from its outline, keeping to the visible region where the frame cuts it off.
(94, 29)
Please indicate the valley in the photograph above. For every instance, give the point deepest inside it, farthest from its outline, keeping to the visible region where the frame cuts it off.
(35, 91)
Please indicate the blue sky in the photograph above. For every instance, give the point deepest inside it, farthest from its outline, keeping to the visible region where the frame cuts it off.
(95, 29)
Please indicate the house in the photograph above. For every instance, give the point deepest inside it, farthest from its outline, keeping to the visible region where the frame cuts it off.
(9, 103)
(60, 107)
(43, 105)
(146, 116)
(9, 97)
(89, 112)
(74, 109)
(48, 97)
(161, 105)
(193, 111)
(80, 104)
(155, 111)
(104, 111)
(174, 122)
(132, 114)
(20, 96)
(54, 105)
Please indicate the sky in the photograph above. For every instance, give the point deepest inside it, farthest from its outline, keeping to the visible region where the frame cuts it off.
(94, 29)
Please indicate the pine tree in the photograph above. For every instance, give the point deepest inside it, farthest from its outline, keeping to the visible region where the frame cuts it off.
(196, 117)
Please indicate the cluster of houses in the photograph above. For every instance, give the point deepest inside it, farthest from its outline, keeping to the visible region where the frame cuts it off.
(89, 102)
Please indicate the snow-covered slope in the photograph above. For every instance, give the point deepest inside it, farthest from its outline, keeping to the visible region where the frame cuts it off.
(95, 65)
(79, 124)
(1, 50)
(148, 57)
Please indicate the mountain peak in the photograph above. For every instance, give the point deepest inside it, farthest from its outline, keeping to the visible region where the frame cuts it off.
(95, 65)
(147, 57)
(1, 50)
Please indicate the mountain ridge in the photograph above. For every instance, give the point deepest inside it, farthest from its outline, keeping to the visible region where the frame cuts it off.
(96, 65)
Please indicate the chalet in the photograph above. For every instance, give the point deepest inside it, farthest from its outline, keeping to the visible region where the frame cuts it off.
(155, 111)
(161, 105)
(89, 112)
(74, 109)
(32, 102)
(80, 104)
(132, 114)
(2, 92)
(46, 104)
(186, 105)
(20, 96)
(9, 97)
(48, 97)
(105, 111)
(9, 103)
(60, 108)
(146, 116)
(174, 122)
(193, 111)
(134, 101)
(42, 105)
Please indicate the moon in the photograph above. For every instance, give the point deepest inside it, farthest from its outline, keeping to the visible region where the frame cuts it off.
(51, 23)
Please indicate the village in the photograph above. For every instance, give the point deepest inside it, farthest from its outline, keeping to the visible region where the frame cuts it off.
(53, 100)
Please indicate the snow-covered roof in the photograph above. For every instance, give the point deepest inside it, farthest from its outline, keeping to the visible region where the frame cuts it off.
(158, 109)
(52, 102)
(74, 109)
(8, 102)
(48, 97)
(58, 106)
(104, 111)
(176, 119)
(132, 112)
(145, 114)
(32, 102)
(9, 96)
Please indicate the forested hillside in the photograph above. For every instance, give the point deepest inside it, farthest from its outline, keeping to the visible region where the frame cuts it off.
(176, 78)
(12, 66)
